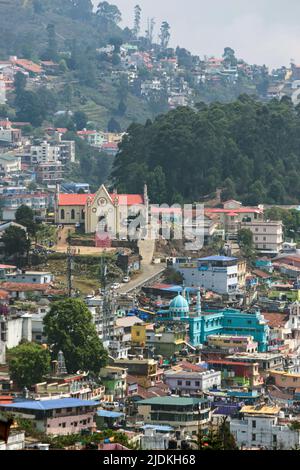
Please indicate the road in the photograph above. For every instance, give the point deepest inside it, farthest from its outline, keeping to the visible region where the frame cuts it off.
(148, 270)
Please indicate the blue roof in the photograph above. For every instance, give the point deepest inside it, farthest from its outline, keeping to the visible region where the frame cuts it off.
(158, 428)
(217, 258)
(109, 414)
(178, 289)
(51, 404)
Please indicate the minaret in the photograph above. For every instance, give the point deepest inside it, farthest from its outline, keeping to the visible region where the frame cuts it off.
(61, 364)
(198, 307)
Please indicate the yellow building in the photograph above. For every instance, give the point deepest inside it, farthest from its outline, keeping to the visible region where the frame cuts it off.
(138, 335)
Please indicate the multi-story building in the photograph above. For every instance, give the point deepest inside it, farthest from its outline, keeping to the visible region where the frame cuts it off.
(103, 314)
(264, 427)
(60, 417)
(67, 153)
(9, 164)
(234, 374)
(215, 273)
(38, 202)
(184, 414)
(44, 153)
(267, 235)
(93, 137)
(266, 361)
(114, 381)
(234, 214)
(167, 340)
(14, 328)
(192, 382)
(146, 371)
(203, 324)
(8, 134)
(48, 173)
(232, 343)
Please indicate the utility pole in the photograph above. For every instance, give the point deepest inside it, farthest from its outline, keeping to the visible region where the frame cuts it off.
(69, 267)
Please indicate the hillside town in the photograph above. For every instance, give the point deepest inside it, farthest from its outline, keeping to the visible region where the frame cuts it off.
(132, 317)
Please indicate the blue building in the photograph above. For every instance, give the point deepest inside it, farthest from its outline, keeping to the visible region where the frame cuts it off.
(217, 322)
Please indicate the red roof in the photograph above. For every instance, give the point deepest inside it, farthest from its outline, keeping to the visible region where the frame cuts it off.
(276, 320)
(4, 295)
(110, 145)
(23, 287)
(262, 274)
(81, 199)
(229, 363)
(29, 65)
(73, 199)
(6, 123)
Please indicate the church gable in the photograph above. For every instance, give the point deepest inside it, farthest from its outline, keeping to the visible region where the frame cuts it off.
(102, 198)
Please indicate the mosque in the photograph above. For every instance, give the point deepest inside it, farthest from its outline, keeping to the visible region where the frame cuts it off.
(215, 322)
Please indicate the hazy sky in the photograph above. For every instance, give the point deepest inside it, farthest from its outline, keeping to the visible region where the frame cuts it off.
(260, 31)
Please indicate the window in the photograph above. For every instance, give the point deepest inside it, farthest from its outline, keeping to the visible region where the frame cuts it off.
(197, 383)
(62, 214)
(253, 437)
(179, 382)
(72, 214)
(63, 425)
(254, 424)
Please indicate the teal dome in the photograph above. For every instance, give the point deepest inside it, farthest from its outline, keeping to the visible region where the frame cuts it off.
(179, 305)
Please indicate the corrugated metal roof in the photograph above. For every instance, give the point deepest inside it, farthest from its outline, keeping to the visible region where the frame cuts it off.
(109, 414)
(51, 404)
(171, 401)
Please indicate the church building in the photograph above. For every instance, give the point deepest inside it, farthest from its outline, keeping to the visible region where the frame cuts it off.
(102, 212)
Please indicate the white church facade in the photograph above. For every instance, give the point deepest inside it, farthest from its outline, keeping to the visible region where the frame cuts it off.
(102, 212)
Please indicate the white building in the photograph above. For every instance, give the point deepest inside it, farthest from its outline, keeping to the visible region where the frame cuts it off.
(2, 352)
(15, 328)
(10, 163)
(267, 235)
(153, 439)
(44, 153)
(192, 382)
(215, 273)
(30, 277)
(16, 441)
(264, 426)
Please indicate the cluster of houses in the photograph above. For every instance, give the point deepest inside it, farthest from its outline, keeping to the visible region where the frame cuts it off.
(181, 359)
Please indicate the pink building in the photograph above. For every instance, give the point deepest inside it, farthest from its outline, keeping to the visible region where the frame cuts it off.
(60, 416)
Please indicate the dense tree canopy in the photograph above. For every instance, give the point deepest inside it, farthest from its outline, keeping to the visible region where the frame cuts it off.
(248, 148)
(69, 328)
(28, 363)
(25, 216)
(16, 243)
